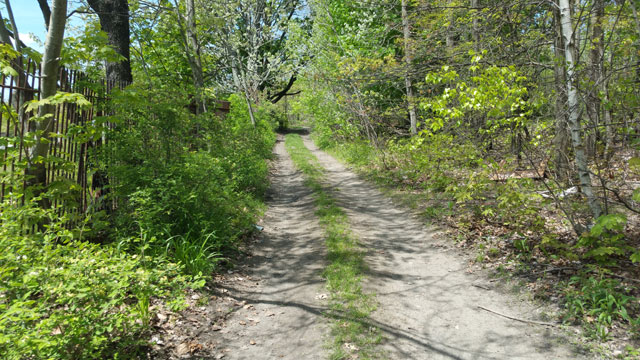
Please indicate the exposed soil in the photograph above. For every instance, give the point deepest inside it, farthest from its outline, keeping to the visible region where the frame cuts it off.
(289, 300)
(271, 307)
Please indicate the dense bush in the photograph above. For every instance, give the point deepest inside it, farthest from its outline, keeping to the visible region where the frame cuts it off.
(177, 176)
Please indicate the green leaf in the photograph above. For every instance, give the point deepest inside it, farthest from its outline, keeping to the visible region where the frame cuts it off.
(8, 70)
(611, 222)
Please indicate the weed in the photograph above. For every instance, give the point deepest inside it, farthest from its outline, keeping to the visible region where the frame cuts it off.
(197, 256)
(598, 302)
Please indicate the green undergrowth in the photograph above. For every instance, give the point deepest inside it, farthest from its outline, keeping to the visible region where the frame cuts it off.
(172, 194)
(65, 298)
(350, 306)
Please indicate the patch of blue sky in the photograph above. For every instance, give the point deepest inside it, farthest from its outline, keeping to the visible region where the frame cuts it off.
(30, 22)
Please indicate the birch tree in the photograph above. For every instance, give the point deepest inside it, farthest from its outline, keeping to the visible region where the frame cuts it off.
(253, 36)
(574, 109)
(407, 76)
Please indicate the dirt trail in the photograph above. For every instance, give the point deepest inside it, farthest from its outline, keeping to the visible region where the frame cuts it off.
(428, 303)
(279, 315)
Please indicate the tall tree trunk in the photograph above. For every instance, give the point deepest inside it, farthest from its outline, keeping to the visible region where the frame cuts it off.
(598, 60)
(574, 111)
(241, 85)
(561, 139)
(194, 47)
(475, 35)
(600, 115)
(636, 21)
(407, 75)
(450, 41)
(114, 20)
(37, 171)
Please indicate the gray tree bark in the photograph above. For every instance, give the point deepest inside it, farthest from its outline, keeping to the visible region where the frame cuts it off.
(36, 171)
(475, 35)
(407, 76)
(450, 42)
(114, 20)
(601, 87)
(574, 110)
(561, 140)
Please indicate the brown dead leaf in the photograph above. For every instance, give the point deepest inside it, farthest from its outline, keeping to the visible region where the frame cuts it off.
(182, 349)
(195, 346)
(252, 342)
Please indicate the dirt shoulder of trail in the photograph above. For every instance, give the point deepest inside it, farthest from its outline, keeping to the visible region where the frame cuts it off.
(431, 305)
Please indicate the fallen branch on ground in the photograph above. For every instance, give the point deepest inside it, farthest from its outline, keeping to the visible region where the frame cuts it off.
(518, 319)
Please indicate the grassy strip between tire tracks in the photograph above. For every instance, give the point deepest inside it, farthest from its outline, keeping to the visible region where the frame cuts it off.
(350, 307)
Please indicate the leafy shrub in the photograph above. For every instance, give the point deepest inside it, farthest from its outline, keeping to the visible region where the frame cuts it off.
(62, 298)
(605, 239)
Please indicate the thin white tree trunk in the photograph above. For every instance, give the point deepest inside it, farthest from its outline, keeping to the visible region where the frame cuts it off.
(241, 85)
(574, 110)
(561, 139)
(450, 42)
(475, 35)
(12, 20)
(49, 72)
(407, 76)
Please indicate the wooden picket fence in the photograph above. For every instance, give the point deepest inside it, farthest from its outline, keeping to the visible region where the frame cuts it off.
(15, 91)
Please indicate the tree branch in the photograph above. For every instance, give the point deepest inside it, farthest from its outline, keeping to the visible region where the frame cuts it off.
(46, 12)
(277, 97)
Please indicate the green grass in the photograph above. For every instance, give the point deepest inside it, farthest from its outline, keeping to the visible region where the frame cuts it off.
(350, 306)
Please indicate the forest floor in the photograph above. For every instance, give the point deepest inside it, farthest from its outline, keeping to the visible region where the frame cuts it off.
(431, 302)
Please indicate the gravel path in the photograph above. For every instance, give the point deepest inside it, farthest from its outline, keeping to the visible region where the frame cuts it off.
(428, 303)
